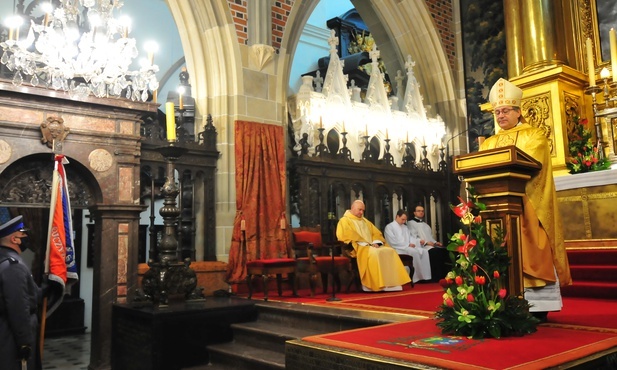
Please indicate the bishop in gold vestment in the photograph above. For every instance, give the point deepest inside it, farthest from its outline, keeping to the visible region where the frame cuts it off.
(544, 254)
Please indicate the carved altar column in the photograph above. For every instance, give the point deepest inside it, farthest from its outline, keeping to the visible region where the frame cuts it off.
(545, 54)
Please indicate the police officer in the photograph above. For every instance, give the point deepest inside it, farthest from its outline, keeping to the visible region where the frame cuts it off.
(19, 298)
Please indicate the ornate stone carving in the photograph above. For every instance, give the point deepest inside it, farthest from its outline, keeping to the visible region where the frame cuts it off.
(5, 151)
(260, 55)
(100, 160)
(54, 132)
(29, 182)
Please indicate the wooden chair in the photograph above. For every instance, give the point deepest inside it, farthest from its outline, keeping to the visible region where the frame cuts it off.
(408, 261)
(267, 267)
(350, 253)
(317, 258)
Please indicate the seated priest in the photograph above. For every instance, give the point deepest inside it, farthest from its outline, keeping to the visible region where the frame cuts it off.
(545, 263)
(398, 236)
(421, 231)
(379, 265)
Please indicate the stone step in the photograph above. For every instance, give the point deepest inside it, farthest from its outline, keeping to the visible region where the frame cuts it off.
(279, 322)
(240, 356)
(268, 335)
(321, 319)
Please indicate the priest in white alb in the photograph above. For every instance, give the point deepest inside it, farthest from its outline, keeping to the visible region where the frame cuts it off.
(398, 236)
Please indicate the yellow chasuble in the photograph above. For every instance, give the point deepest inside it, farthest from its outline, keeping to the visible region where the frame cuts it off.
(542, 238)
(379, 267)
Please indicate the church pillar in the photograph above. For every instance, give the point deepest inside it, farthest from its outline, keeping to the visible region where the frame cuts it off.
(115, 265)
(542, 28)
(543, 60)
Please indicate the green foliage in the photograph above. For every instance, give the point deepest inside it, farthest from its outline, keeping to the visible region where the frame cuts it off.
(584, 156)
(476, 302)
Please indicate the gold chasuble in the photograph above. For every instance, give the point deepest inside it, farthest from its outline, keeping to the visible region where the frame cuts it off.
(541, 239)
(379, 267)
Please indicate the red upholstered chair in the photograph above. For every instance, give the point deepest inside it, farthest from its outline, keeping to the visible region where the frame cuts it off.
(267, 267)
(314, 257)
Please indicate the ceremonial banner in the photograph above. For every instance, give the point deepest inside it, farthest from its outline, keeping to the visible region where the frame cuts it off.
(60, 264)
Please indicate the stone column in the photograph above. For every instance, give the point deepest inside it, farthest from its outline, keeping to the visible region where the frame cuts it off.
(115, 272)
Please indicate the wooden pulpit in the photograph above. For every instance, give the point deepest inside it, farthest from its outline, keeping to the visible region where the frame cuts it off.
(499, 177)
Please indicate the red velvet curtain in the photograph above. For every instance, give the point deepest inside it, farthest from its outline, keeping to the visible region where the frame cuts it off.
(260, 196)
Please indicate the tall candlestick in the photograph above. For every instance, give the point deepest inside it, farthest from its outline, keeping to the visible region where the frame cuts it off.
(613, 41)
(171, 121)
(590, 66)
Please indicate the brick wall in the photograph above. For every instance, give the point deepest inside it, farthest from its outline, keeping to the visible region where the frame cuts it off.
(441, 11)
(240, 17)
(280, 13)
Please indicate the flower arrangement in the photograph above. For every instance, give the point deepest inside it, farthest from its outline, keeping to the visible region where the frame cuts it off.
(584, 156)
(476, 303)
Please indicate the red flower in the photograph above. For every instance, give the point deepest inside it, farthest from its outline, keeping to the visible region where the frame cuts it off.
(470, 298)
(588, 163)
(462, 209)
(574, 161)
(496, 274)
(458, 280)
(445, 282)
(502, 293)
(465, 248)
(449, 302)
(480, 280)
(583, 121)
(474, 268)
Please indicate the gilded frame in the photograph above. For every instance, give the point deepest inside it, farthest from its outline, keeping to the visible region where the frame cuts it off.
(603, 17)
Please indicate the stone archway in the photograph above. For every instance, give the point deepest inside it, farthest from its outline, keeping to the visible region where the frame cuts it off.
(25, 189)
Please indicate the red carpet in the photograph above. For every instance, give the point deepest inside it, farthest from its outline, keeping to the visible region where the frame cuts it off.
(422, 342)
(421, 300)
(584, 326)
(589, 312)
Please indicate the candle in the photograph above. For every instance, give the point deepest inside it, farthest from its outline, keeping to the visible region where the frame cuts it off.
(613, 41)
(320, 122)
(590, 66)
(180, 101)
(155, 95)
(242, 225)
(386, 133)
(283, 223)
(344, 127)
(407, 140)
(365, 130)
(171, 121)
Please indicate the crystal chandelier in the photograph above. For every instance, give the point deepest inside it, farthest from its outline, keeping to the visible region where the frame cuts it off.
(79, 47)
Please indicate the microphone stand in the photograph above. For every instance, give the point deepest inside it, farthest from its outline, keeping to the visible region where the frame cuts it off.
(449, 173)
(333, 271)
